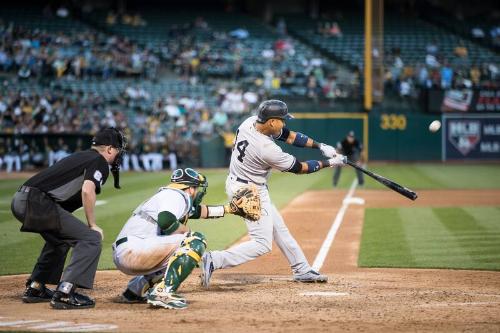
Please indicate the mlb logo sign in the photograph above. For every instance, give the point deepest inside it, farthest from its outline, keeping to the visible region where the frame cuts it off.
(464, 134)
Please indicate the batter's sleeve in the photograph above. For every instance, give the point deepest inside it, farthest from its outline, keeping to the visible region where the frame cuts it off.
(276, 158)
(97, 172)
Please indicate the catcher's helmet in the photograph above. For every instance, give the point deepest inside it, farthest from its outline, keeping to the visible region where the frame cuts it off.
(272, 108)
(187, 177)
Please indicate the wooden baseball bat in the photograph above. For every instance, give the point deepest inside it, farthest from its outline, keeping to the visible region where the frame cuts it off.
(387, 182)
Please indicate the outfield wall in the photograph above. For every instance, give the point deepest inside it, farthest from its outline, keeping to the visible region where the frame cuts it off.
(392, 136)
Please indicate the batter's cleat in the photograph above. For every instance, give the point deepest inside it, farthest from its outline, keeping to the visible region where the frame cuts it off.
(207, 268)
(310, 277)
(63, 301)
(129, 297)
(37, 293)
(166, 300)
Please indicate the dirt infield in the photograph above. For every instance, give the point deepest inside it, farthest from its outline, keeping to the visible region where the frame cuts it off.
(260, 296)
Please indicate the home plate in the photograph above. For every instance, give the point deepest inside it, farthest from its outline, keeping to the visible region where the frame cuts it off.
(322, 293)
(354, 200)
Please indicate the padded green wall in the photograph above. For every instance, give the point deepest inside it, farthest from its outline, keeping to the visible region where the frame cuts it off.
(387, 139)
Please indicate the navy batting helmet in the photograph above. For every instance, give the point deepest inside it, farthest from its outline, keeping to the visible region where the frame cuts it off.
(272, 108)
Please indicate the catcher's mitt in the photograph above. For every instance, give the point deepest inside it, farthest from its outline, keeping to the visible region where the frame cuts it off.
(245, 203)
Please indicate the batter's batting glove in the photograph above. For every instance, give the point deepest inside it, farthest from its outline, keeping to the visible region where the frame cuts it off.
(327, 150)
(338, 160)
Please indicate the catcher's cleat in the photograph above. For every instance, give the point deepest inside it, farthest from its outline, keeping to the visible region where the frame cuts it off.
(310, 277)
(160, 297)
(129, 297)
(37, 293)
(207, 268)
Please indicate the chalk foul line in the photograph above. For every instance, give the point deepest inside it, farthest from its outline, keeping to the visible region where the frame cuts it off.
(327, 244)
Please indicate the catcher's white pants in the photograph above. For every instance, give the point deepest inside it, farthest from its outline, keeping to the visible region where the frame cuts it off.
(262, 232)
(146, 258)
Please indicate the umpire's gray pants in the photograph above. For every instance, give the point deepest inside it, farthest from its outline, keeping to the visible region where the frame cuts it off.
(271, 226)
(86, 244)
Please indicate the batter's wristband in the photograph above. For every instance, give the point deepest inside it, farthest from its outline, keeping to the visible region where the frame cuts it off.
(215, 211)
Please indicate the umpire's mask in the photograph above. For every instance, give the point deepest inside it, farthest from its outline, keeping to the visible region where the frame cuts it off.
(112, 137)
(187, 177)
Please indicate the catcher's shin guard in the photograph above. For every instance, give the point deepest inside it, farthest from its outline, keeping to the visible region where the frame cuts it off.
(184, 260)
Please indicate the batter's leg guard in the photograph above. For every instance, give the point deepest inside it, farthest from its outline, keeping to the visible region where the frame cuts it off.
(180, 265)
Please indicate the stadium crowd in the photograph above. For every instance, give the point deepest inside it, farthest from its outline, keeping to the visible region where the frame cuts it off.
(165, 127)
(80, 54)
(438, 72)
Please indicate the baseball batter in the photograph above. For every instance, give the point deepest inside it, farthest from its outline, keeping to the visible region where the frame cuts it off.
(254, 155)
(157, 247)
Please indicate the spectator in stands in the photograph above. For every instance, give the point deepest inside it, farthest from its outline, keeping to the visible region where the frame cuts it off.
(460, 50)
(334, 30)
(495, 35)
(475, 76)
(431, 61)
(432, 48)
(477, 32)
(446, 76)
(312, 87)
(422, 75)
(405, 88)
(281, 26)
(111, 18)
(330, 90)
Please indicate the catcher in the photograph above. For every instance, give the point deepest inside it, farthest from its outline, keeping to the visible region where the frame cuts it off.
(158, 248)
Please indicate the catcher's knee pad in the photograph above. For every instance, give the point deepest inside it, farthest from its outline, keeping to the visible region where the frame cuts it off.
(184, 260)
(196, 242)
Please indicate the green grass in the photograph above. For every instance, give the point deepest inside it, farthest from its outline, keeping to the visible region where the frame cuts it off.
(451, 237)
(20, 250)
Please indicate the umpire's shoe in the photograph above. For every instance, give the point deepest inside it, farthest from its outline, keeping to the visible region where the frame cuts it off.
(65, 298)
(310, 277)
(36, 292)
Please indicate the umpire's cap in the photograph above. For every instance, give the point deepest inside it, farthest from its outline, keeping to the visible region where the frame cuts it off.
(183, 178)
(272, 108)
(109, 137)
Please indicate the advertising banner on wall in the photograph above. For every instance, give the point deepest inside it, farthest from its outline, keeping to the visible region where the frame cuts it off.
(469, 137)
(463, 100)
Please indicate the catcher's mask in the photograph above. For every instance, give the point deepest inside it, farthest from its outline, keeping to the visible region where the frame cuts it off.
(187, 177)
(112, 137)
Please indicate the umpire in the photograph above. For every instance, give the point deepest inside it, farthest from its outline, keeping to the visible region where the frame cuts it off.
(351, 148)
(44, 203)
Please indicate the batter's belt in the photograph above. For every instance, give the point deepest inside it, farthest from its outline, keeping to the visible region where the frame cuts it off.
(244, 181)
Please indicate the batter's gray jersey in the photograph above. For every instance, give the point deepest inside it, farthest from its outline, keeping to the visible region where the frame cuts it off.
(255, 154)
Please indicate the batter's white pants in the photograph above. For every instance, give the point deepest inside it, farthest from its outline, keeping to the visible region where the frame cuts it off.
(262, 232)
(146, 258)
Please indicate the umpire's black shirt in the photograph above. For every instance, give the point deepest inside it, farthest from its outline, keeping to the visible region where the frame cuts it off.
(351, 148)
(63, 181)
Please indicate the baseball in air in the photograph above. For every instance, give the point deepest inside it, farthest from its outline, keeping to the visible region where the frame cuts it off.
(435, 126)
